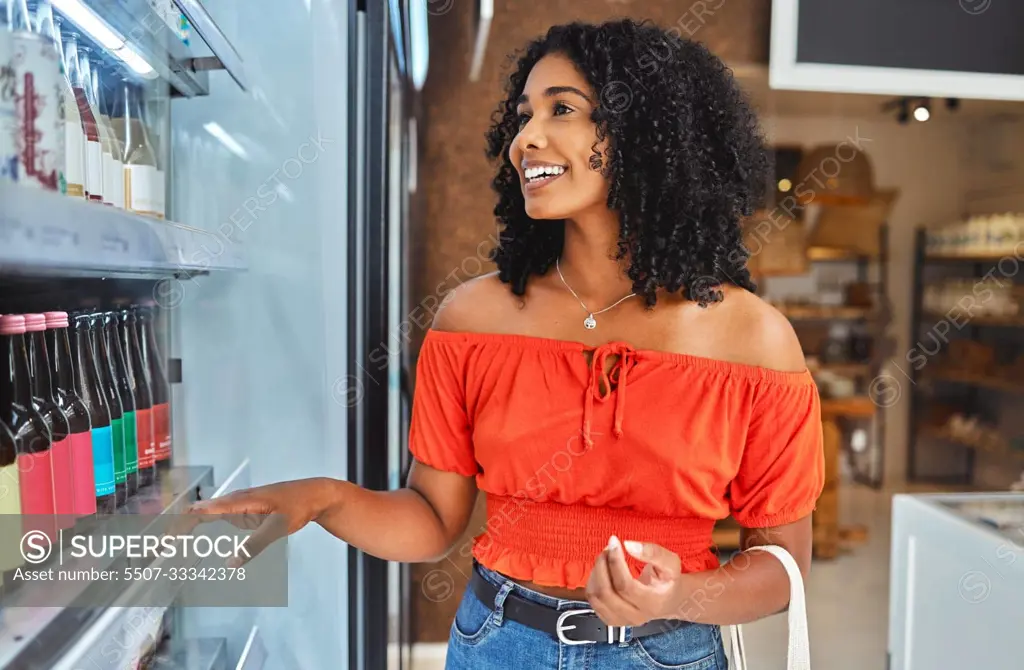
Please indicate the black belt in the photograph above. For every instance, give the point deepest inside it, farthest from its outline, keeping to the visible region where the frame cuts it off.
(578, 626)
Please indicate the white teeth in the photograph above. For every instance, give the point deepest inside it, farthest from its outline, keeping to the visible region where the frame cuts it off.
(542, 171)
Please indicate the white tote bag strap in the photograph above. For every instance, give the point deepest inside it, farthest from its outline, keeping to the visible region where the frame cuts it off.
(799, 653)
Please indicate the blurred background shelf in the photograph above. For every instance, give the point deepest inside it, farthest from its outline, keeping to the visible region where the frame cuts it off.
(961, 316)
(43, 233)
(997, 447)
(980, 380)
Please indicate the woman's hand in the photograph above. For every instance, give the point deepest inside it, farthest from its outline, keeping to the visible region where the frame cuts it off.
(272, 512)
(619, 599)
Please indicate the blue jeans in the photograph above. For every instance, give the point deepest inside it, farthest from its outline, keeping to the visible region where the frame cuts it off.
(482, 639)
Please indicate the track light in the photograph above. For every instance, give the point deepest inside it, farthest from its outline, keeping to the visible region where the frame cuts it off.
(921, 112)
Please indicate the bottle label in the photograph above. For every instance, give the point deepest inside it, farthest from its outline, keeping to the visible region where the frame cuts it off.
(74, 163)
(94, 170)
(39, 134)
(118, 184)
(63, 481)
(162, 431)
(140, 189)
(131, 445)
(103, 460)
(10, 503)
(110, 179)
(144, 430)
(117, 432)
(36, 478)
(82, 466)
(159, 188)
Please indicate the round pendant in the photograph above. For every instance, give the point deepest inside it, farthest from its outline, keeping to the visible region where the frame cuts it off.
(590, 322)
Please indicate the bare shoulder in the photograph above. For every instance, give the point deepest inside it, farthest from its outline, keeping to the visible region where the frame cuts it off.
(474, 305)
(769, 337)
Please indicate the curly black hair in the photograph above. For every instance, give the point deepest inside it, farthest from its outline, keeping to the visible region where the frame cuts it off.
(686, 160)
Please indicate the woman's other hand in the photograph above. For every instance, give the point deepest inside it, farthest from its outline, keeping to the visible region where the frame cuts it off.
(620, 599)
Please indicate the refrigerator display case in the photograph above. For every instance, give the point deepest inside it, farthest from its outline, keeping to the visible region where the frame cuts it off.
(957, 581)
(264, 150)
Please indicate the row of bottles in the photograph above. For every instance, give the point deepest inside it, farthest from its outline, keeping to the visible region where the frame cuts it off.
(84, 416)
(62, 127)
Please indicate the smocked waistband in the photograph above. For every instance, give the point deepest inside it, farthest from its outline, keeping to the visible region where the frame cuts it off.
(554, 531)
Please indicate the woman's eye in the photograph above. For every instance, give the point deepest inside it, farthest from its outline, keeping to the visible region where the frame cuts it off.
(522, 119)
(561, 108)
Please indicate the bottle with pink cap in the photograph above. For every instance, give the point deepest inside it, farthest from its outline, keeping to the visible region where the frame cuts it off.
(31, 436)
(89, 387)
(56, 420)
(58, 343)
(10, 503)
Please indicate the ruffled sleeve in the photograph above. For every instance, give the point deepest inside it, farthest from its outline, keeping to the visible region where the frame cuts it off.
(782, 471)
(440, 433)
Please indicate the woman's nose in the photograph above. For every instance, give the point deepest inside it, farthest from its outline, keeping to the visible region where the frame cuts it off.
(532, 136)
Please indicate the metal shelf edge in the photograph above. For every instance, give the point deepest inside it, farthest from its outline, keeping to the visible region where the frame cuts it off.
(44, 232)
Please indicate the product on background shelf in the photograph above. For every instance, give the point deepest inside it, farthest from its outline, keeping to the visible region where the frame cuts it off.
(984, 296)
(31, 435)
(978, 235)
(142, 182)
(56, 421)
(89, 386)
(113, 164)
(31, 134)
(81, 80)
(10, 494)
(127, 395)
(138, 376)
(74, 135)
(159, 385)
(105, 363)
(8, 107)
(58, 343)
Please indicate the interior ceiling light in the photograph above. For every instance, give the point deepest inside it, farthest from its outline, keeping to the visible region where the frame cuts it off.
(90, 23)
(921, 111)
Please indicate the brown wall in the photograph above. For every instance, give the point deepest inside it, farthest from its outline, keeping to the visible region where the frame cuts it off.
(451, 238)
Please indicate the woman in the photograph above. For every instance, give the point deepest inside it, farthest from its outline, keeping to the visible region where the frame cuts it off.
(615, 387)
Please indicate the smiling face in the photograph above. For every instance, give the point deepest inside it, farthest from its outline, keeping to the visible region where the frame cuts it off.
(555, 143)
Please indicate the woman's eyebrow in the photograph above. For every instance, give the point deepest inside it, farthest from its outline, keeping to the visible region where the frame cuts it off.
(552, 91)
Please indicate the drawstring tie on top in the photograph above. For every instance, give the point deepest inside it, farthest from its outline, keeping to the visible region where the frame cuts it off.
(599, 377)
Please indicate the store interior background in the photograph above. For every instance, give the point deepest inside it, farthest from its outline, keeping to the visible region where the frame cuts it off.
(957, 164)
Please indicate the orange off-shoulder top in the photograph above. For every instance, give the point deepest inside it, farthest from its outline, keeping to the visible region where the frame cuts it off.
(656, 449)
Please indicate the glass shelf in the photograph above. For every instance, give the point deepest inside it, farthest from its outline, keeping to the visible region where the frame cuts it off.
(181, 60)
(36, 637)
(201, 654)
(43, 233)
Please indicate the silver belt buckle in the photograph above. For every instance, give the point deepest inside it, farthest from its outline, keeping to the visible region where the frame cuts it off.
(561, 627)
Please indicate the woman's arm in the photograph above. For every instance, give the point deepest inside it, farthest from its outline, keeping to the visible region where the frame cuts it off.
(750, 586)
(419, 523)
(416, 524)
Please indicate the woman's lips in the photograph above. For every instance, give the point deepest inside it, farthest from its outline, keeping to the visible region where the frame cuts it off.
(535, 184)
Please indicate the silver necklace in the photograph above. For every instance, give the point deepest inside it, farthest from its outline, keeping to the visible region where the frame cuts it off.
(590, 322)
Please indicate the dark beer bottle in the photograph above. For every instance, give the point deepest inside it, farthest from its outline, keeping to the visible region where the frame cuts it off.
(58, 343)
(89, 385)
(138, 375)
(31, 435)
(127, 394)
(56, 420)
(161, 389)
(105, 363)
